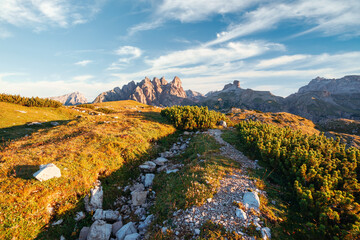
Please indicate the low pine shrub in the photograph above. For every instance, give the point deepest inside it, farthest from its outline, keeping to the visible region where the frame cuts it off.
(192, 117)
(322, 173)
(29, 102)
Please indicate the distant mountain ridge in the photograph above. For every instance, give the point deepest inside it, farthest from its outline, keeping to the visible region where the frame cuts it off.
(74, 98)
(320, 99)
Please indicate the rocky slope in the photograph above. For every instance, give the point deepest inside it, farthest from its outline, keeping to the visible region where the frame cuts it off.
(327, 99)
(233, 95)
(74, 98)
(156, 92)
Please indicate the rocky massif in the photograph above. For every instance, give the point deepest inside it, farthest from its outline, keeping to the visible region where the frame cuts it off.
(74, 98)
(157, 92)
(320, 99)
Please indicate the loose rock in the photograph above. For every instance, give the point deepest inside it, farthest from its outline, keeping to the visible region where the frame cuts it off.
(149, 179)
(139, 198)
(47, 172)
(252, 200)
(99, 230)
(125, 230)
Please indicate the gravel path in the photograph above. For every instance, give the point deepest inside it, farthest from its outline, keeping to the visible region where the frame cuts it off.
(220, 209)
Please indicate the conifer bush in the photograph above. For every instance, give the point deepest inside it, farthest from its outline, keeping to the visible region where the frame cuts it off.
(192, 117)
(29, 102)
(322, 173)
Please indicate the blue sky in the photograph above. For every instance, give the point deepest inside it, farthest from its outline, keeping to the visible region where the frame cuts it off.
(54, 47)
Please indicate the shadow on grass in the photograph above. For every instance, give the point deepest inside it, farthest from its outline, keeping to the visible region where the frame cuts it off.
(112, 186)
(24, 171)
(13, 133)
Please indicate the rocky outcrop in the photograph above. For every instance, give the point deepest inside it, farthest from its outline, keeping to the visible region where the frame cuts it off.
(232, 95)
(156, 92)
(327, 99)
(194, 96)
(74, 98)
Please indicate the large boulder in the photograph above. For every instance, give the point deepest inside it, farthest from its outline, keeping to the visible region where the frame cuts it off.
(251, 199)
(99, 230)
(84, 233)
(47, 172)
(116, 227)
(126, 230)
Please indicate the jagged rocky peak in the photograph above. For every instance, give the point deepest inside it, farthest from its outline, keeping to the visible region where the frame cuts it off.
(152, 92)
(74, 98)
(234, 85)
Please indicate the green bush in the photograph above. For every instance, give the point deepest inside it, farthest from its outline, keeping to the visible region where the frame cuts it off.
(90, 106)
(192, 117)
(29, 102)
(322, 173)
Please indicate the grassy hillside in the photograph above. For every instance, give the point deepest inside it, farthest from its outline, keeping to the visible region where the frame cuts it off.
(281, 119)
(108, 146)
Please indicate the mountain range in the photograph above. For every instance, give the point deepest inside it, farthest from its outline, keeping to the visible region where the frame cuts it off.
(74, 98)
(321, 99)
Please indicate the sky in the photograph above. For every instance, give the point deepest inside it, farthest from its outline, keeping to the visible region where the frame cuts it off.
(54, 47)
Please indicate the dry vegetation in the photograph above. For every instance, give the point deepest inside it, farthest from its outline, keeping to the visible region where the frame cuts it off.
(84, 149)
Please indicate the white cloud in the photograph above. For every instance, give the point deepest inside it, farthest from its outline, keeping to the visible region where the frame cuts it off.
(329, 17)
(233, 51)
(83, 62)
(41, 14)
(282, 60)
(127, 54)
(83, 77)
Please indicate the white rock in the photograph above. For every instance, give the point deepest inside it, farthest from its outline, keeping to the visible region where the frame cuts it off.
(149, 219)
(149, 178)
(164, 229)
(125, 230)
(62, 237)
(183, 147)
(223, 124)
(266, 233)
(54, 123)
(186, 133)
(138, 187)
(241, 214)
(58, 222)
(140, 212)
(47, 172)
(148, 166)
(116, 227)
(34, 123)
(108, 215)
(79, 216)
(96, 199)
(138, 198)
(84, 233)
(197, 231)
(160, 161)
(172, 171)
(134, 236)
(252, 199)
(99, 230)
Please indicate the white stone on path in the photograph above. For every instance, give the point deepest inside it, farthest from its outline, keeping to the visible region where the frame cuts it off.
(148, 166)
(265, 233)
(160, 161)
(149, 178)
(138, 198)
(172, 171)
(99, 230)
(241, 214)
(252, 200)
(108, 215)
(47, 172)
(134, 236)
(125, 230)
(79, 216)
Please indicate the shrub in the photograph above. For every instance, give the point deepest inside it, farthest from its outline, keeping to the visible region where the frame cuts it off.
(192, 117)
(29, 102)
(322, 173)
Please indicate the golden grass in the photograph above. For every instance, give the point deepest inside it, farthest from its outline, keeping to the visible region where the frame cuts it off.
(83, 149)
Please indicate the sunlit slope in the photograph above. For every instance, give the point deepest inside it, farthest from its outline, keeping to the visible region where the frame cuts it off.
(14, 114)
(83, 149)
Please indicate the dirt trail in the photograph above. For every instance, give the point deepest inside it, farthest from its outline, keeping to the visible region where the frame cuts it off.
(220, 209)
